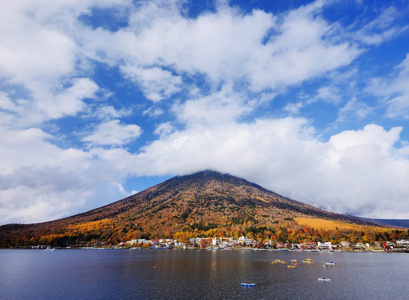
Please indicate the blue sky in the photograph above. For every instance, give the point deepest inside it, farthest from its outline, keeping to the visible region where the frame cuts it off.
(102, 99)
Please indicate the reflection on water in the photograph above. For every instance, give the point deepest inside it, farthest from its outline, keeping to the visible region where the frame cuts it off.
(200, 274)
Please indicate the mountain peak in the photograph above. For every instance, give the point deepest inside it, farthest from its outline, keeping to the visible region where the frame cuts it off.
(207, 176)
(181, 206)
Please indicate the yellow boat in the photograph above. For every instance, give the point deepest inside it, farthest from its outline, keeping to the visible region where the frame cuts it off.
(277, 261)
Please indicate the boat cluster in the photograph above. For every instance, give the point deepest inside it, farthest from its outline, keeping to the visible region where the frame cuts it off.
(294, 264)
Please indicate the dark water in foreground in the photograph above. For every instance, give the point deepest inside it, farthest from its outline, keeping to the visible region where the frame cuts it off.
(200, 274)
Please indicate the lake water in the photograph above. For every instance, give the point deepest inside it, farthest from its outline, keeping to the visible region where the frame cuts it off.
(199, 274)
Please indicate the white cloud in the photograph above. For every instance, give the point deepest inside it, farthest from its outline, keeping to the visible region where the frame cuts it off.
(40, 181)
(68, 101)
(156, 83)
(370, 172)
(6, 103)
(113, 133)
(154, 112)
(30, 52)
(220, 107)
(164, 129)
(258, 51)
(382, 28)
(394, 91)
(20, 148)
(329, 94)
(121, 188)
(353, 110)
(47, 103)
(41, 60)
(294, 108)
(107, 112)
(304, 47)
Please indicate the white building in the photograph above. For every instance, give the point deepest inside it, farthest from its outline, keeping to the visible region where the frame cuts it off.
(345, 244)
(244, 241)
(402, 243)
(325, 246)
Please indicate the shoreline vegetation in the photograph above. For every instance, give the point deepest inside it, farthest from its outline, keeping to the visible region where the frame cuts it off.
(303, 234)
(372, 250)
(243, 243)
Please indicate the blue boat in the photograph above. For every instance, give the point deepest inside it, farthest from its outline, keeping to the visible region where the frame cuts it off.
(247, 284)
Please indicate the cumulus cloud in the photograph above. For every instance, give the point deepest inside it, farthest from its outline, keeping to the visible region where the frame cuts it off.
(258, 50)
(39, 58)
(40, 181)
(156, 83)
(221, 107)
(113, 133)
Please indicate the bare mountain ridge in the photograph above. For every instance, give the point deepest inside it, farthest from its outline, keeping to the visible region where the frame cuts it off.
(204, 200)
(214, 187)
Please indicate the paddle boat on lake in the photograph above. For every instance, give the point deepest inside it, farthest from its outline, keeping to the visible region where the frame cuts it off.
(248, 284)
(277, 261)
(323, 279)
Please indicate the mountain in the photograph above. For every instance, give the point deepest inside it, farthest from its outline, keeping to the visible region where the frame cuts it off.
(399, 223)
(202, 204)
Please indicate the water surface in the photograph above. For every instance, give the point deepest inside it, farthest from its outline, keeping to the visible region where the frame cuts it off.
(199, 274)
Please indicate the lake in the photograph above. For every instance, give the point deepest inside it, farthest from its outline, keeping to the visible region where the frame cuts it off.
(199, 274)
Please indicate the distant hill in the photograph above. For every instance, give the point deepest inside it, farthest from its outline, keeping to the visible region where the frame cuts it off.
(401, 223)
(206, 203)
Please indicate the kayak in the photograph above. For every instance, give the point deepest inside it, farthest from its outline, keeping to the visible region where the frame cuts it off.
(247, 284)
(323, 279)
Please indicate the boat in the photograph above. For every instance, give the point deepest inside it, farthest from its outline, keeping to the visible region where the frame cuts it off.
(331, 263)
(247, 284)
(290, 266)
(277, 261)
(323, 279)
